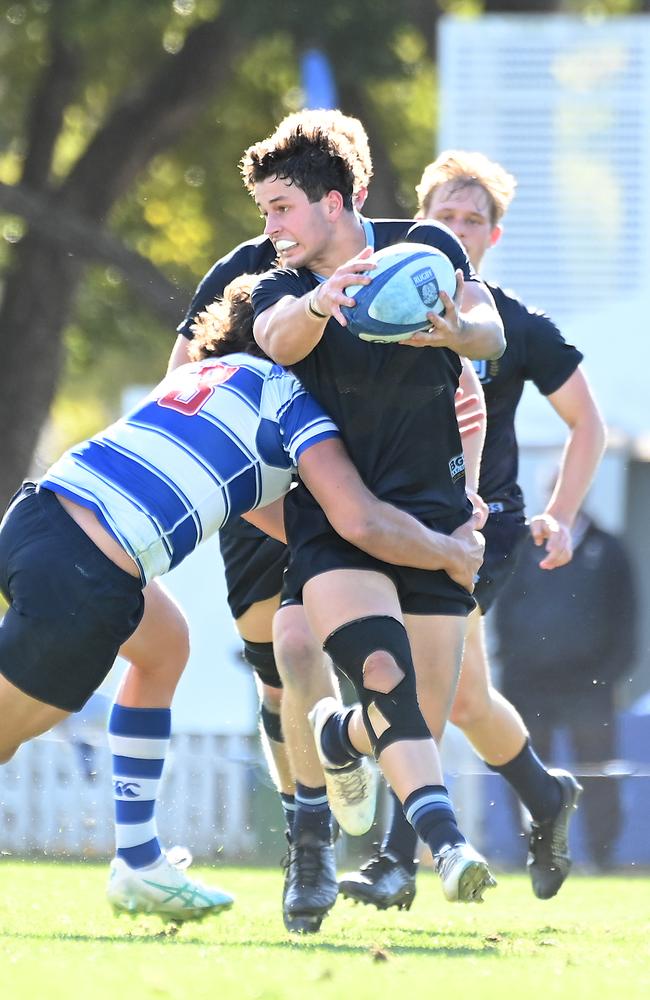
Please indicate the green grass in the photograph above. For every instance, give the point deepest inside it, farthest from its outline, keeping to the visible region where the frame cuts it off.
(59, 940)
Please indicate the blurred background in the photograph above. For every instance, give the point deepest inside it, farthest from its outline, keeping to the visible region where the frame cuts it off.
(121, 127)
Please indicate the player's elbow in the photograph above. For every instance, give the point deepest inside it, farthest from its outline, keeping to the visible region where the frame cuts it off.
(360, 528)
(496, 343)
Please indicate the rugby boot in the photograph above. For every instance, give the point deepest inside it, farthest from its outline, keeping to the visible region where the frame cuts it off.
(164, 889)
(382, 882)
(463, 872)
(310, 886)
(351, 788)
(549, 861)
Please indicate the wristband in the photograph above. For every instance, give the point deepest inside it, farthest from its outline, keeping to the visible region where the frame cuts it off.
(311, 309)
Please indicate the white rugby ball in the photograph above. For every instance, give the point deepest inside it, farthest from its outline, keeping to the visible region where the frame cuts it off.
(405, 286)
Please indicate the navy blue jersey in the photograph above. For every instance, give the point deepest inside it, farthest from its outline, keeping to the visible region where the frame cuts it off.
(535, 351)
(393, 404)
(252, 257)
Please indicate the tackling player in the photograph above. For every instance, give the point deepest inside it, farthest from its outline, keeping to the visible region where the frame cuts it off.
(80, 552)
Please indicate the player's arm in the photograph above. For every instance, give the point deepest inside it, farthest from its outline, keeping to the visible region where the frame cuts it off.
(379, 528)
(269, 519)
(575, 404)
(472, 422)
(290, 329)
(180, 353)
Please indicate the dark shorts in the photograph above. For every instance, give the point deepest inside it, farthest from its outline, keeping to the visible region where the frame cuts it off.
(504, 533)
(71, 607)
(254, 565)
(420, 592)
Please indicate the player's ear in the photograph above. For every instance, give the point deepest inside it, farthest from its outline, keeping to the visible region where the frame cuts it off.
(334, 203)
(496, 235)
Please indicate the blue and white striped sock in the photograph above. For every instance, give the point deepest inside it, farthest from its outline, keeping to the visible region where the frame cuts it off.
(138, 739)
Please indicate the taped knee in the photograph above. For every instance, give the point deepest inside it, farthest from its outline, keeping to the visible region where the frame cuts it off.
(389, 715)
(271, 724)
(260, 656)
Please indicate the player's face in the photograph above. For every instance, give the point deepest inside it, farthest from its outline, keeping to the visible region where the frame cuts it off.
(297, 227)
(466, 211)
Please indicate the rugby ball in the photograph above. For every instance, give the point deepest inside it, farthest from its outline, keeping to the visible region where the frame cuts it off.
(405, 286)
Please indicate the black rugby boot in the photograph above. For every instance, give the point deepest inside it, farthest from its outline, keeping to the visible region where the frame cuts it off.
(310, 886)
(382, 882)
(549, 861)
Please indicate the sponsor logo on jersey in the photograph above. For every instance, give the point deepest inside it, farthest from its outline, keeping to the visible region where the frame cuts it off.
(426, 285)
(457, 467)
(126, 789)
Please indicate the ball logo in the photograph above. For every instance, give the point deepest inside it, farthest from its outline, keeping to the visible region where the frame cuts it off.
(427, 286)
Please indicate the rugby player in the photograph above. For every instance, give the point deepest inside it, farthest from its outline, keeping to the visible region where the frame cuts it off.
(470, 194)
(396, 407)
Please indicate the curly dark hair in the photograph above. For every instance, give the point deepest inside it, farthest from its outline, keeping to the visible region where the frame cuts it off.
(315, 160)
(226, 325)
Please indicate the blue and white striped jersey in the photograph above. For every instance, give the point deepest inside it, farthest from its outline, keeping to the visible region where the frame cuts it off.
(216, 439)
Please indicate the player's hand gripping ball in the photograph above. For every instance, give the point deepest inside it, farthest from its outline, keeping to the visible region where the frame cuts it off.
(405, 286)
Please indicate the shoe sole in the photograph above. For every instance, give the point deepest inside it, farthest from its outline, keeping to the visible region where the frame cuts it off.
(473, 882)
(303, 923)
(405, 902)
(124, 910)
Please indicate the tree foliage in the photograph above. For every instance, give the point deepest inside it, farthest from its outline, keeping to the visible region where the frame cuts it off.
(121, 128)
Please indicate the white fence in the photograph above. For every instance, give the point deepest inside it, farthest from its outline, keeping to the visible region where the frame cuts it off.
(212, 799)
(48, 804)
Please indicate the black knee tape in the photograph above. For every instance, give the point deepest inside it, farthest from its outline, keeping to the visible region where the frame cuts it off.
(271, 724)
(259, 655)
(350, 646)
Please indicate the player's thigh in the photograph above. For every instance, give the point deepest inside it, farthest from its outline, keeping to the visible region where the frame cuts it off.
(161, 640)
(437, 646)
(340, 596)
(256, 623)
(22, 718)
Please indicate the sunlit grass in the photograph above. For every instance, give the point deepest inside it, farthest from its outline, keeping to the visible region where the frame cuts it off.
(59, 940)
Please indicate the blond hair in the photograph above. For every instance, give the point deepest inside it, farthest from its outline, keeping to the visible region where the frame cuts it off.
(461, 169)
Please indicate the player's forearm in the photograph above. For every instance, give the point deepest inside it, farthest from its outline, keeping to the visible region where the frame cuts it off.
(582, 454)
(289, 330)
(471, 415)
(180, 353)
(481, 333)
(393, 536)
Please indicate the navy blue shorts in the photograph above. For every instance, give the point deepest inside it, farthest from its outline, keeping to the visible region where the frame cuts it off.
(70, 606)
(504, 533)
(254, 565)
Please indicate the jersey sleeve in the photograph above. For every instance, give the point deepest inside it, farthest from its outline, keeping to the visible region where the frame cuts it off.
(439, 236)
(302, 421)
(273, 286)
(251, 257)
(549, 359)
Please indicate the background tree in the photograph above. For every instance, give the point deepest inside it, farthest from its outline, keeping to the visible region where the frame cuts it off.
(120, 133)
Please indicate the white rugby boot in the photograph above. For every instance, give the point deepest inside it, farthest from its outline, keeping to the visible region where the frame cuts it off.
(464, 873)
(351, 788)
(164, 889)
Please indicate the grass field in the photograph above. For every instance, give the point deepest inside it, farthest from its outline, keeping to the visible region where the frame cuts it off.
(59, 940)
